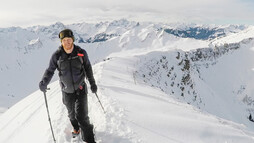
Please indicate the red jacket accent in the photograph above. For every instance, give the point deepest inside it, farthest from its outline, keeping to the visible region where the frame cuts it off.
(81, 55)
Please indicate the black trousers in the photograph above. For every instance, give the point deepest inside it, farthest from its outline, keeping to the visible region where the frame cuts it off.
(77, 106)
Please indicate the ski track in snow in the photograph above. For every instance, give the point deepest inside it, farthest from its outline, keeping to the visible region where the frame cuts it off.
(128, 93)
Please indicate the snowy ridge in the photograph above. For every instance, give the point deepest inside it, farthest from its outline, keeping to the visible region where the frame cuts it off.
(163, 119)
(155, 86)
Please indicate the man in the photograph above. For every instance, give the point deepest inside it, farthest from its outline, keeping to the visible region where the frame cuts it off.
(73, 65)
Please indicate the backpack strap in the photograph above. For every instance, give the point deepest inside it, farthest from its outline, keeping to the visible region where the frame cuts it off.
(58, 54)
(81, 58)
(81, 55)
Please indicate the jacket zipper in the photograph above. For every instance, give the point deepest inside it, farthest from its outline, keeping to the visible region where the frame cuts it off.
(72, 75)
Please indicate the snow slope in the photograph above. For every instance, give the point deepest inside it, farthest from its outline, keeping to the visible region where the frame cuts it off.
(156, 87)
(136, 113)
(218, 80)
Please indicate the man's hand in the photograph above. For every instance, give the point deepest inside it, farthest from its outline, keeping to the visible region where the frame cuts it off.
(42, 86)
(94, 88)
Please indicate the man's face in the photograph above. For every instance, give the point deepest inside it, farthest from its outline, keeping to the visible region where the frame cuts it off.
(67, 43)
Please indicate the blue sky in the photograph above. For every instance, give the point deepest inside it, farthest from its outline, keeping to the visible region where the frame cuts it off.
(26, 13)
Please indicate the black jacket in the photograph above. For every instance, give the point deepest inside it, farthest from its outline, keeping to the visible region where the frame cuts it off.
(73, 68)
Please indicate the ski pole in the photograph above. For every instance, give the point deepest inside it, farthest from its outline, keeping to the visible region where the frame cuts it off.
(100, 102)
(45, 97)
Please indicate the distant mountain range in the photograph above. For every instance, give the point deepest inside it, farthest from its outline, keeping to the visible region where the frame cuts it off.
(26, 52)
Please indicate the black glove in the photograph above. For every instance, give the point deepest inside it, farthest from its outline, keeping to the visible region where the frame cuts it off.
(43, 87)
(94, 88)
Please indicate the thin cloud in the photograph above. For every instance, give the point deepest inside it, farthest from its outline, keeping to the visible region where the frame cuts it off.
(33, 12)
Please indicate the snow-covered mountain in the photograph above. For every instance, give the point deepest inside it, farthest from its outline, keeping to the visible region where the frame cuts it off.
(216, 79)
(158, 82)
